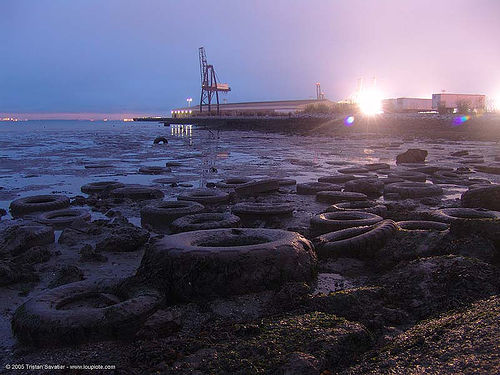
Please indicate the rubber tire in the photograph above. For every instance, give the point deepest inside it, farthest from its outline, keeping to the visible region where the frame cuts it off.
(258, 187)
(340, 178)
(231, 183)
(333, 197)
(311, 188)
(190, 223)
(40, 323)
(357, 242)
(238, 261)
(137, 192)
(372, 187)
(38, 203)
(365, 206)
(205, 196)
(100, 187)
(262, 209)
(164, 213)
(31, 235)
(450, 215)
(333, 221)
(158, 140)
(154, 170)
(423, 225)
(413, 189)
(353, 170)
(63, 218)
(485, 197)
(409, 176)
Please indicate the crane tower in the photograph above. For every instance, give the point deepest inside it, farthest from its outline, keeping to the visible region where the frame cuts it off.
(209, 85)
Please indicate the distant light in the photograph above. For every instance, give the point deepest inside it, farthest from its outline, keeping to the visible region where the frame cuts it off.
(370, 102)
(349, 120)
(460, 120)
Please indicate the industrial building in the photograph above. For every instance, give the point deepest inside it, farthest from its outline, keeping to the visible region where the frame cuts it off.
(450, 103)
(406, 105)
(268, 108)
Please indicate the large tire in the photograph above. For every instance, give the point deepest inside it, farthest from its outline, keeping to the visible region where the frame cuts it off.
(54, 317)
(371, 207)
(423, 225)
(38, 203)
(222, 262)
(159, 140)
(231, 183)
(450, 215)
(337, 178)
(137, 192)
(372, 187)
(357, 242)
(163, 213)
(63, 218)
(205, 221)
(333, 197)
(262, 209)
(100, 187)
(311, 188)
(413, 189)
(205, 196)
(484, 197)
(258, 187)
(332, 221)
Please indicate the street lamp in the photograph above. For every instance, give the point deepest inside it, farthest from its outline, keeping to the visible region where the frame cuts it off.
(189, 100)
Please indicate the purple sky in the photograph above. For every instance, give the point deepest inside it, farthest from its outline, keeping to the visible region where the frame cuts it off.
(141, 56)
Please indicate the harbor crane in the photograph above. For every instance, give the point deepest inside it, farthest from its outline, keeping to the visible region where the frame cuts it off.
(209, 85)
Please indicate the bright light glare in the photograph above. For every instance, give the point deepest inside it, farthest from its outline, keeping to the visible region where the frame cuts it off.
(370, 102)
(496, 103)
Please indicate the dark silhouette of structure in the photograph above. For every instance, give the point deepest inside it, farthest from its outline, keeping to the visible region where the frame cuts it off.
(209, 85)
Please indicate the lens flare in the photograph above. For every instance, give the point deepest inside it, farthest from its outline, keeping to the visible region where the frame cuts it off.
(349, 120)
(460, 120)
(370, 102)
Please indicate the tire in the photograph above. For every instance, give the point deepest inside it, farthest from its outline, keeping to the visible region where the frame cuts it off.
(365, 206)
(257, 187)
(159, 140)
(137, 192)
(484, 197)
(409, 176)
(63, 218)
(311, 188)
(262, 209)
(353, 170)
(205, 221)
(493, 168)
(163, 213)
(358, 242)
(333, 221)
(413, 189)
(17, 239)
(100, 187)
(450, 215)
(372, 187)
(47, 320)
(377, 167)
(333, 197)
(222, 262)
(449, 177)
(231, 183)
(38, 203)
(154, 170)
(205, 196)
(286, 181)
(423, 225)
(337, 178)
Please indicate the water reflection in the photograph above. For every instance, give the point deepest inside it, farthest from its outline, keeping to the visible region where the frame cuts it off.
(180, 130)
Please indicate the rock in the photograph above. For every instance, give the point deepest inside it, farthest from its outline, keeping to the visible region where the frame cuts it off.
(34, 255)
(484, 197)
(88, 254)
(16, 239)
(429, 286)
(298, 363)
(413, 155)
(66, 275)
(123, 239)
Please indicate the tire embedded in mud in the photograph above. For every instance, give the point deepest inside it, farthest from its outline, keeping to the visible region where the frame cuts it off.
(63, 218)
(100, 187)
(154, 170)
(357, 242)
(221, 262)
(163, 213)
(257, 209)
(333, 197)
(257, 187)
(57, 316)
(450, 215)
(372, 187)
(423, 225)
(413, 189)
(38, 203)
(409, 175)
(337, 178)
(231, 183)
(311, 188)
(159, 140)
(137, 192)
(365, 206)
(205, 221)
(333, 221)
(485, 197)
(205, 196)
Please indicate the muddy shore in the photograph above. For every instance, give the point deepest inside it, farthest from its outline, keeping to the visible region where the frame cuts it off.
(412, 301)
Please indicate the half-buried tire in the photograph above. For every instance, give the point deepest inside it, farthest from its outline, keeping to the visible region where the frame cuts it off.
(38, 203)
(450, 215)
(332, 221)
(205, 196)
(84, 311)
(423, 225)
(100, 187)
(357, 242)
(163, 213)
(63, 218)
(205, 221)
(263, 209)
(221, 262)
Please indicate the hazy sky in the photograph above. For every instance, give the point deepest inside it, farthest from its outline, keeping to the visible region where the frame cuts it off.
(141, 56)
